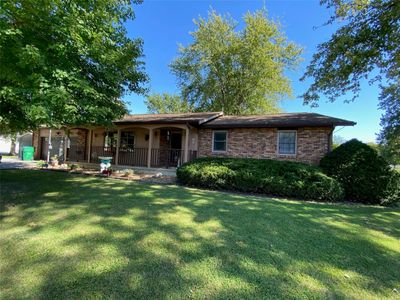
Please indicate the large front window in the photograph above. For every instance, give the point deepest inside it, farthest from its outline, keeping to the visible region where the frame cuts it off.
(127, 140)
(287, 142)
(219, 141)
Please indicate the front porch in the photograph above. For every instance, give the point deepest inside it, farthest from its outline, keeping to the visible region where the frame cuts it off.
(155, 146)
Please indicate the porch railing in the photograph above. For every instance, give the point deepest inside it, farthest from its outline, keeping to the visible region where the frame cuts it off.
(161, 158)
(102, 151)
(76, 153)
(133, 157)
(166, 158)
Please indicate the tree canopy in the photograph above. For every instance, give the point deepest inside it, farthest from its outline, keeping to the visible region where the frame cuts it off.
(366, 46)
(236, 71)
(66, 62)
(167, 103)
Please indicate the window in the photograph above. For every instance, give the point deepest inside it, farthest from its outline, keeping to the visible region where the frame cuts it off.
(110, 140)
(287, 142)
(219, 141)
(127, 140)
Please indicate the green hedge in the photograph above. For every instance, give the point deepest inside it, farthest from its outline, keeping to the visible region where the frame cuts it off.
(288, 179)
(364, 175)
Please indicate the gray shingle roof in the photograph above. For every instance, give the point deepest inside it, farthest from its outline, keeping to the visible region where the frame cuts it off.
(277, 120)
(218, 120)
(194, 119)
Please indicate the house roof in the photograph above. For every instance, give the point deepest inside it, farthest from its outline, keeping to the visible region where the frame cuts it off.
(218, 120)
(277, 120)
(194, 119)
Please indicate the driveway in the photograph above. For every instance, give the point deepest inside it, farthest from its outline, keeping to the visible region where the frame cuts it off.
(15, 163)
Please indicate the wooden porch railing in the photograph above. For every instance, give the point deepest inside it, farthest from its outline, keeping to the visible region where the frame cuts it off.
(161, 158)
(102, 151)
(133, 157)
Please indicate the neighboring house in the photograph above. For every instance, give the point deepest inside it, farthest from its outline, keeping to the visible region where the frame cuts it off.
(177, 138)
(22, 140)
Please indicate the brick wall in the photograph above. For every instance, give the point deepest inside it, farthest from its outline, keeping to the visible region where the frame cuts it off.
(312, 143)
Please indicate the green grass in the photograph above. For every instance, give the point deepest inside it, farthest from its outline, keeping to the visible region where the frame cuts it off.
(74, 237)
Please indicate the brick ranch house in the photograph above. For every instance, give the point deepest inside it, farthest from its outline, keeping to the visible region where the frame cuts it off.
(168, 140)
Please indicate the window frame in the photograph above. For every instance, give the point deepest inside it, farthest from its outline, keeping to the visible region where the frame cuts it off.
(213, 140)
(295, 142)
(134, 141)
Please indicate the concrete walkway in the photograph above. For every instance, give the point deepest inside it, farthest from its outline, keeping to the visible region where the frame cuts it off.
(15, 163)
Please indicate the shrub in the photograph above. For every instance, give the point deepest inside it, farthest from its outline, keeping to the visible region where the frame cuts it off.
(364, 175)
(41, 164)
(392, 193)
(127, 172)
(74, 167)
(289, 179)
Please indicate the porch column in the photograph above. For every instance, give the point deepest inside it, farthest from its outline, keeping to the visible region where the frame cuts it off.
(89, 145)
(66, 133)
(118, 142)
(186, 157)
(149, 149)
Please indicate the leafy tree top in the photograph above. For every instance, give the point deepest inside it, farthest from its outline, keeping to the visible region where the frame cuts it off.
(236, 71)
(366, 46)
(66, 62)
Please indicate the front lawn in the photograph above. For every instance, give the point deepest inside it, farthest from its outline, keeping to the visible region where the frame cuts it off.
(74, 237)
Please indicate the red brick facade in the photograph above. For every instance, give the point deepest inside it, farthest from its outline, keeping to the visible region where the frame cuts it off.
(312, 143)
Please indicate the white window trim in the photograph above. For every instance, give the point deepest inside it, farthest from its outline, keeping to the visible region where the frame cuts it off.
(226, 142)
(295, 144)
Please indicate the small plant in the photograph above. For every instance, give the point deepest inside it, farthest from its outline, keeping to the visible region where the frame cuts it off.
(128, 172)
(54, 160)
(41, 164)
(74, 167)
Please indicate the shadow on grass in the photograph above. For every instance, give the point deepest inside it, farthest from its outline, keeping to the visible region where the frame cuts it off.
(120, 239)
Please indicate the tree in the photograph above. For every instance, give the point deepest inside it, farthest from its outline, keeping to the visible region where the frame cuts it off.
(337, 141)
(366, 46)
(236, 71)
(66, 62)
(167, 103)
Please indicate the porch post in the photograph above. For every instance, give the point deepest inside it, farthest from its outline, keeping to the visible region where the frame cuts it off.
(149, 149)
(89, 145)
(65, 144)
(118, 142)
(186, 158)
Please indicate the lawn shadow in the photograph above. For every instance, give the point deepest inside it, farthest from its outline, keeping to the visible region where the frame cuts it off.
(130, 240)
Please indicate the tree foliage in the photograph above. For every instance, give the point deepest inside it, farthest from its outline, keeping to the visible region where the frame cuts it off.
(366, 46)
(66, 62)
(236, 71)
(167, 103)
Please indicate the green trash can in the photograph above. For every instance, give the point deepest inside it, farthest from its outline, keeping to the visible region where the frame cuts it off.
(28, 152)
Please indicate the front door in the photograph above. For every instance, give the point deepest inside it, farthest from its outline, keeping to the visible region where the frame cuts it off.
(176, 141)
(175, 154)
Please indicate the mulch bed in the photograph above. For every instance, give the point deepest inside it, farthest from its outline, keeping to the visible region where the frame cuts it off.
(147, 178)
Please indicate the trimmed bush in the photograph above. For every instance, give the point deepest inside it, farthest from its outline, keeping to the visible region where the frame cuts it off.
(364, 175)
(287, 179)
(392, 193)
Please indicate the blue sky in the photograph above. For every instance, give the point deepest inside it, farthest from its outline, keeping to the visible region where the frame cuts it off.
(164, 24)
